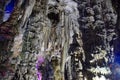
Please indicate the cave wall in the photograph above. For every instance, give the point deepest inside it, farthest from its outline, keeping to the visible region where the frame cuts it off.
(62, 40)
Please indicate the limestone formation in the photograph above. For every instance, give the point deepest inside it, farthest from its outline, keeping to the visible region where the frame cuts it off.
(59, 40)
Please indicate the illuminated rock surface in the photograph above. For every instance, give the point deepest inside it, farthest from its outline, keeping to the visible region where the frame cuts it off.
(60, 40)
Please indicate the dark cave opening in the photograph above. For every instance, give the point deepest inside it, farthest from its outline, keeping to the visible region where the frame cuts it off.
(54, 18)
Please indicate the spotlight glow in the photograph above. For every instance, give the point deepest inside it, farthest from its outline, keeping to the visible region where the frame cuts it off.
(38, 64)
(8, 9)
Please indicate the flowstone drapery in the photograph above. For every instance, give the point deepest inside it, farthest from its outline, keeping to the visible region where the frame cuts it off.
(50, 30)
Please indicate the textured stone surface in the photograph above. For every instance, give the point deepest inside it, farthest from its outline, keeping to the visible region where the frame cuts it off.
(64, 40)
